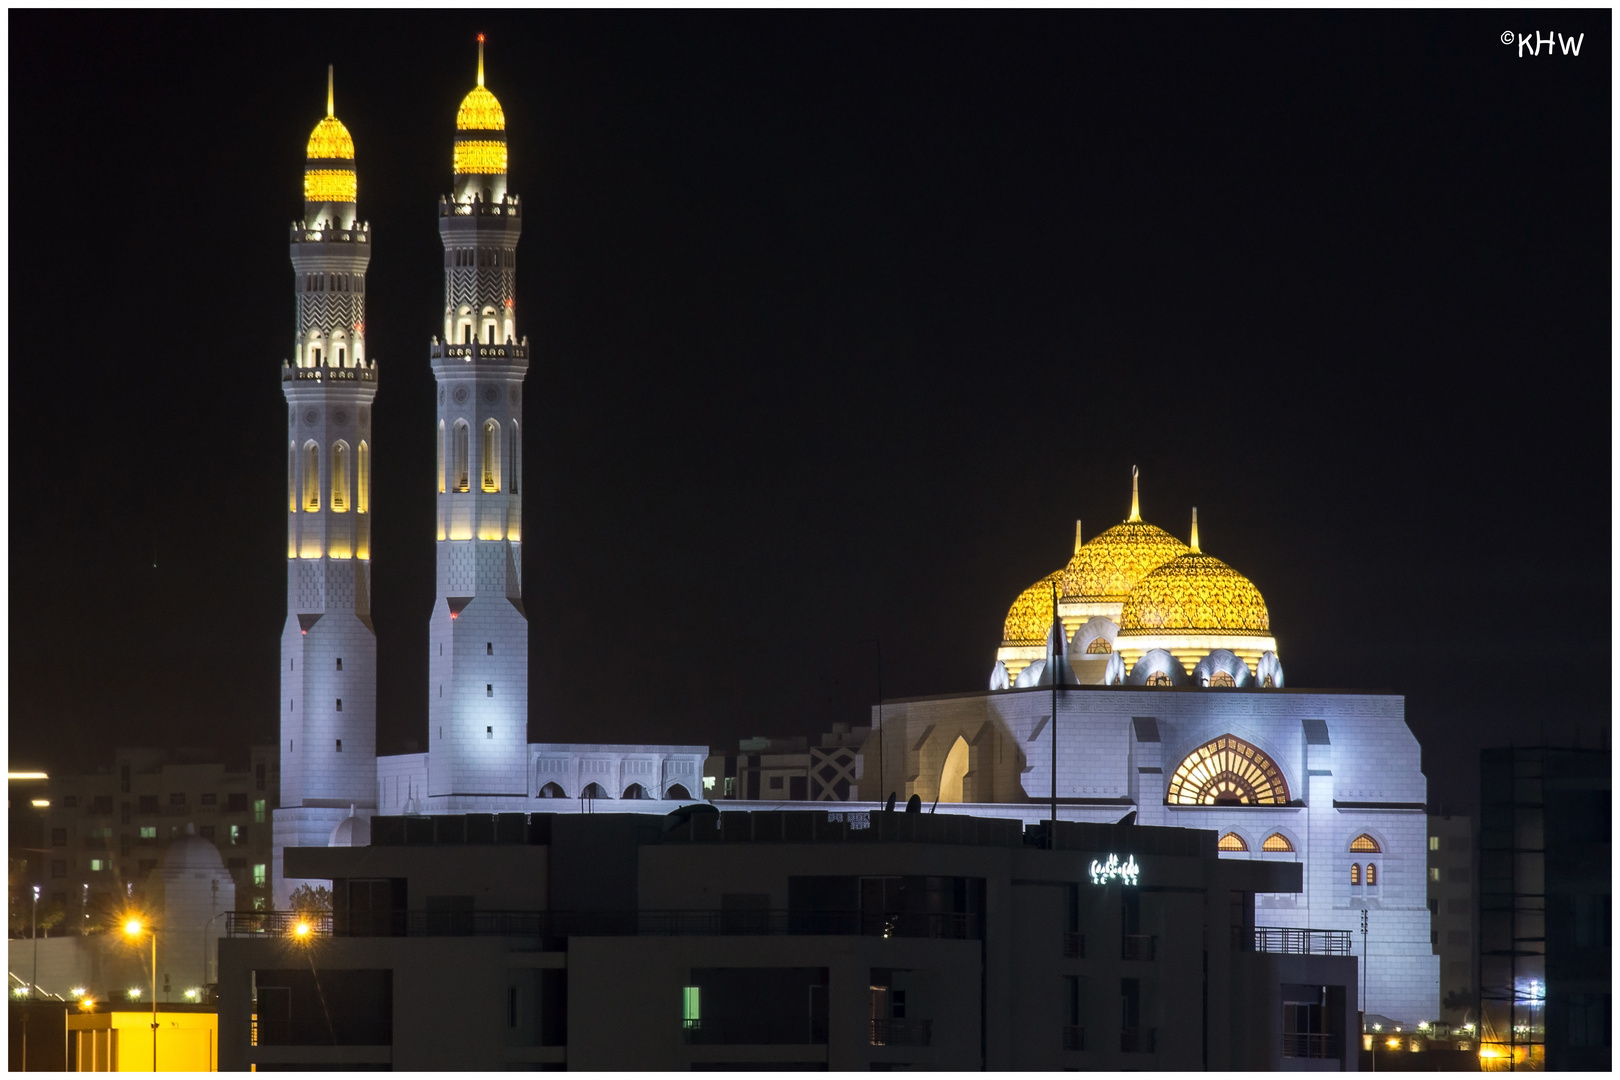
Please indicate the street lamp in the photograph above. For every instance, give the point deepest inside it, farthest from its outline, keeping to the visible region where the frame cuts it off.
(33, 987)
(133, 930)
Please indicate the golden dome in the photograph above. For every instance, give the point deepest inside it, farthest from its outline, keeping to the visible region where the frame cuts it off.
(330, 139)
(1194, 594)
(480, 111)
(1108, 566)
(1029, 620)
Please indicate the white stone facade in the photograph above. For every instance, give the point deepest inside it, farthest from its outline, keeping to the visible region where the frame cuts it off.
(1350, 764)
(647, 779)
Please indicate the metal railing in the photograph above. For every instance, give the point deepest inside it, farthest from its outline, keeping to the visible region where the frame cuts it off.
(1289, 939)
(1310, 1045)
(901, 1032)
(1074, 1037)
(1139, 947)
(1138, 1040)
(1074, 946)
(563, 924)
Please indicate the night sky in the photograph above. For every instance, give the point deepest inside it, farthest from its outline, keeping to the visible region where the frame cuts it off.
(841, 321)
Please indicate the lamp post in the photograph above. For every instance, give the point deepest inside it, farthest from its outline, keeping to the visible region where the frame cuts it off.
(133, 929)
(33, 986)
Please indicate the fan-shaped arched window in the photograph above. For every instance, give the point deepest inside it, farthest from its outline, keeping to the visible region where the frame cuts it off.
(1231, 842)
(362, 478)
(1099, 645)
(1355, 874)
(491, 456)
(1364, 843)
(1227, 771)
(458, 469)
(312, 477)
(340, 477)
(1158, 678)
(1222, 678)
(1276, 842)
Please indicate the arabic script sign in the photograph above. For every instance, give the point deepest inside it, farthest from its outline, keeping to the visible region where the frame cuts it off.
(1103, 873)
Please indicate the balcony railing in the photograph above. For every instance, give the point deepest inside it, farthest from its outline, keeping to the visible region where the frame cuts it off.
(1138, 1040)
(901, 1032)
(1074, 946)
(1139, 947)
(1289, 939)
(564, 924)
(1310, 1045)
(1074, 1037)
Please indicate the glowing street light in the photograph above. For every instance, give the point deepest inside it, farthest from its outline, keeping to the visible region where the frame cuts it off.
(134, 929)
(301, 931)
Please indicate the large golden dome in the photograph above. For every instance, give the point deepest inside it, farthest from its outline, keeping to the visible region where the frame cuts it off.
(330, 140)
(1194, 594)
(1108, 566)
(1030, 618)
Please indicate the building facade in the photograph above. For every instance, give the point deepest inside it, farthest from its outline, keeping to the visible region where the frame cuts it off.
(796, 939)
(1454, 916)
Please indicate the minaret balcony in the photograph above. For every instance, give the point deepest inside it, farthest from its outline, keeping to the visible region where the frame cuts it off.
(479, 208)
(329, 375)
(298, 234)
(473, 352)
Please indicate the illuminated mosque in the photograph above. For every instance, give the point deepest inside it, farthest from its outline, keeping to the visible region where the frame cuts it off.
(1159, 658)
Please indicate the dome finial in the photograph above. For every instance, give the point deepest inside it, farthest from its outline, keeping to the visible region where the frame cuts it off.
(1136, 510)
(329, 111)
(1194, 544)
(480, 59)
(1077, 540)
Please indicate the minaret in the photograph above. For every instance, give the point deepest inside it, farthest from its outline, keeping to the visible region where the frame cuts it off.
(328, 649)
(478, 639)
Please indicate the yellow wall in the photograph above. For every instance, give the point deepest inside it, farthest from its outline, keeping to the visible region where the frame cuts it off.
(187, 1042)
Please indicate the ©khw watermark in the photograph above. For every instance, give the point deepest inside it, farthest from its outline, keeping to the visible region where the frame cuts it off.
(1533, 41)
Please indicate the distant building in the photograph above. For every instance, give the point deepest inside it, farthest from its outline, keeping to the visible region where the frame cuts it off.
(777, 769)
(1544, 908)
(833, 939)
(1453, 916)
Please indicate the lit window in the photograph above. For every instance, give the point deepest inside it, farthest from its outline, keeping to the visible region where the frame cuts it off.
(258, 814)
(1221, 678)
(491, 457)
(1434, 843)
(1099, 645)
(691, 1011)
(340, 477)
(1227, 771)
(708, 783)
(1355, 873)
(1434, 873)
(148, 832)
(362, 477)
(1276, 842)
(236, 834)
(258, 874)
(98, 864)
(1372, 874)
(312, 477)
(460, 469)
(1158, 678)
(1232, 842)
(1365, 843)
(441, 457)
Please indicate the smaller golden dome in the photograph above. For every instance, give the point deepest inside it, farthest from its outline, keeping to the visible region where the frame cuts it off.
(1194, 594)
(329, 140)
(1108, 566)
(1030, 618)
(480, 111)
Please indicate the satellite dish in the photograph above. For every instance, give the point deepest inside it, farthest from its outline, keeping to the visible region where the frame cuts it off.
(914, 805)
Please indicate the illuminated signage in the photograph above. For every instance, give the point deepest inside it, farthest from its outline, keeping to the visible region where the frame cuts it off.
(1103, 873)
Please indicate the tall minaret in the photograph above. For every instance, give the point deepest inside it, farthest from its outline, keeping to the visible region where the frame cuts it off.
(478, 639)
(328, 649)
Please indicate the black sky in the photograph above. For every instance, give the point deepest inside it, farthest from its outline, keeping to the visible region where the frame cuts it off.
(841, 321)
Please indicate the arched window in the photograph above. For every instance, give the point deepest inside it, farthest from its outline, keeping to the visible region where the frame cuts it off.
(1222, 678)
(552, 791)
(1364, 843)
(1355, 874)
(1227, 771)
(514, 458)
(312, 477)
(1158, 678)
(362, 477)
(340, 477)
(1231, 842)
(441, 457)
(491, 456)
(1267, 682)
(634, 791)
(1099, 645)
(1372, 874)
(956, 767)
(593, 791)
(292, 483)
(1276, 842)
(458, 469)
(676, 791)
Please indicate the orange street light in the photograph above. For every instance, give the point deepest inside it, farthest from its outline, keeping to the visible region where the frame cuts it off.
(134, 929)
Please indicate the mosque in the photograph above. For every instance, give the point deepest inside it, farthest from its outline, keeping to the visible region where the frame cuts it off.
(1141, 678)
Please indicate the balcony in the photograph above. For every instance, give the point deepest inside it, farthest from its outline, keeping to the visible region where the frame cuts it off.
(1074, 946)
(901, 1032)
(1138, 1040)
(1289, 939)
(471, 351)
(1074, 1037)
(1310, 1045)
(1139, 947)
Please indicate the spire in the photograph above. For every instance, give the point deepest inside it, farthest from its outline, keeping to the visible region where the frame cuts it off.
(1077, 540)
(1136, 511)
(1195, 550)
(480, 59)
(329, 111)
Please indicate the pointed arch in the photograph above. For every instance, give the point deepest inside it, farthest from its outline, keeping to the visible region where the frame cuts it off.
(362, 478)
(1365, 843)
(1227, 771)
(514, 458)
(955, 770)
(634, 791)
(1277, 842)
(441, 457)
(552, 791)
(593, 790)
(1231, 842)
(677, 791)
(312, 476)
(490, 456)
(340, 477)
(292, 481)
(458, 467)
